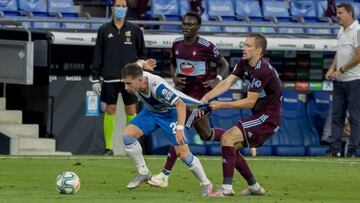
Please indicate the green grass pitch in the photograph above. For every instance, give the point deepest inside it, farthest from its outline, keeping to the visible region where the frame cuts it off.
(104, 179)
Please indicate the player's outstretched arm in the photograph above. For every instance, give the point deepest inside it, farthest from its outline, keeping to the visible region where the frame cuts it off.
(220, 88)
(246, 103)
(149, 64)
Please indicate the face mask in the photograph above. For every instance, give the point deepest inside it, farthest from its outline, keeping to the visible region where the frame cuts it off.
(120, 12)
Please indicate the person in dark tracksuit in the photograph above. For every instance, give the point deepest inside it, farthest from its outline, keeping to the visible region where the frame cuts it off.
(118, 43)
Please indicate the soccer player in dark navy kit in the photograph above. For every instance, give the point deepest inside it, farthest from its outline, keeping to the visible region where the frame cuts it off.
(191, 56)
(263, 98)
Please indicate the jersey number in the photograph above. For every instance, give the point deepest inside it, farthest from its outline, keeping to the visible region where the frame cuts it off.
(173, 127)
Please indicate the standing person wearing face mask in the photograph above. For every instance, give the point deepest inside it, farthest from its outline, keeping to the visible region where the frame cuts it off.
(118, 43)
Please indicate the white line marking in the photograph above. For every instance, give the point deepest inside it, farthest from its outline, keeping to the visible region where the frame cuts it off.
(207, 158)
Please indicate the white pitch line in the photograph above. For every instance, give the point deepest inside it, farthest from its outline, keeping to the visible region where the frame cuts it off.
(207, 158)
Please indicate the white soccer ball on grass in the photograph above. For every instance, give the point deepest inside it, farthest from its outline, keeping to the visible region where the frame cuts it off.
(67, 183)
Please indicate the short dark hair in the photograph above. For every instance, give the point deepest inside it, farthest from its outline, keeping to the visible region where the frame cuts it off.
(113, 2)
(131, 70)
(348, 8)
(260, 41)
(195, 15)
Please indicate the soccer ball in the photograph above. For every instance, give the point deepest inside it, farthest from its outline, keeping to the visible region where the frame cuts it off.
(67, 183)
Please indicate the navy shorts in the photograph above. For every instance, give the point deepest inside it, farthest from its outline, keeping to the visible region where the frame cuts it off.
(110, 91)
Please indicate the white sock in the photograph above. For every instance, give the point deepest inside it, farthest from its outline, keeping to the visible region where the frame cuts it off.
(164, 176)
(135, 152)
(227, 186)
(255, 187)
(197, 169)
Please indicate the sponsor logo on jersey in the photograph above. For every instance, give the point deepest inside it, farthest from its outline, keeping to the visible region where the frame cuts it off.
(110, 35)
(128, 34)
(167, 94)
(187, 68)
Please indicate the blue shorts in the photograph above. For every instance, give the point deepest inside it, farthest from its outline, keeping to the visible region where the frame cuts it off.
(149, 121)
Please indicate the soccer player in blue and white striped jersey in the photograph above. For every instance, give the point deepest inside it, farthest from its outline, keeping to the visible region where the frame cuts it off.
(165, 108)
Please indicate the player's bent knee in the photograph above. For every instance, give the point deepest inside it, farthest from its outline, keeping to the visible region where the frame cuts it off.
(128, 140)
(188, 159)
(182, 151)
(225, 138)
(205, 136)
(110, 109)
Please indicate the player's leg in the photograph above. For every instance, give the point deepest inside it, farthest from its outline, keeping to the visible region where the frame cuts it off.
(228, 140)
(136, 129)
(162, 179)
(202, 127)
(255, 134)
(353, 90)
(109, 95)
(130, 104)
(195, 167)
(168, 125)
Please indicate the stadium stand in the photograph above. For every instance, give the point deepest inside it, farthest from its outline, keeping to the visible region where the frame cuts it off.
(294, 126)
(38, 9)
(279, 10)
(65, 9)
(9, 9)
(223, 11)
(306, 11)
(318, 109)
(185, 7)
(250, 12)
(166, 10)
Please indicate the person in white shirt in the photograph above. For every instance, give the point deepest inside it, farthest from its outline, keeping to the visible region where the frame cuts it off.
(345, 72)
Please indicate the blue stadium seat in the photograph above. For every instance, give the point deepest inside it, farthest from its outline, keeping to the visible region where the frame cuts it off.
(223, 10)
(185, 7)
(250, 11)
(356, 6)
(280, 11)
(293, 127)
(65, 9)
(9, 9)
(318, 109)
(38, 9)
(321, 6)
(96, 26)
(166, 10)
(62, 7)
(306, 10)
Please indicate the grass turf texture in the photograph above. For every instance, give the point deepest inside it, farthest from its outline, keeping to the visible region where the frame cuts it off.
(104, 179)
